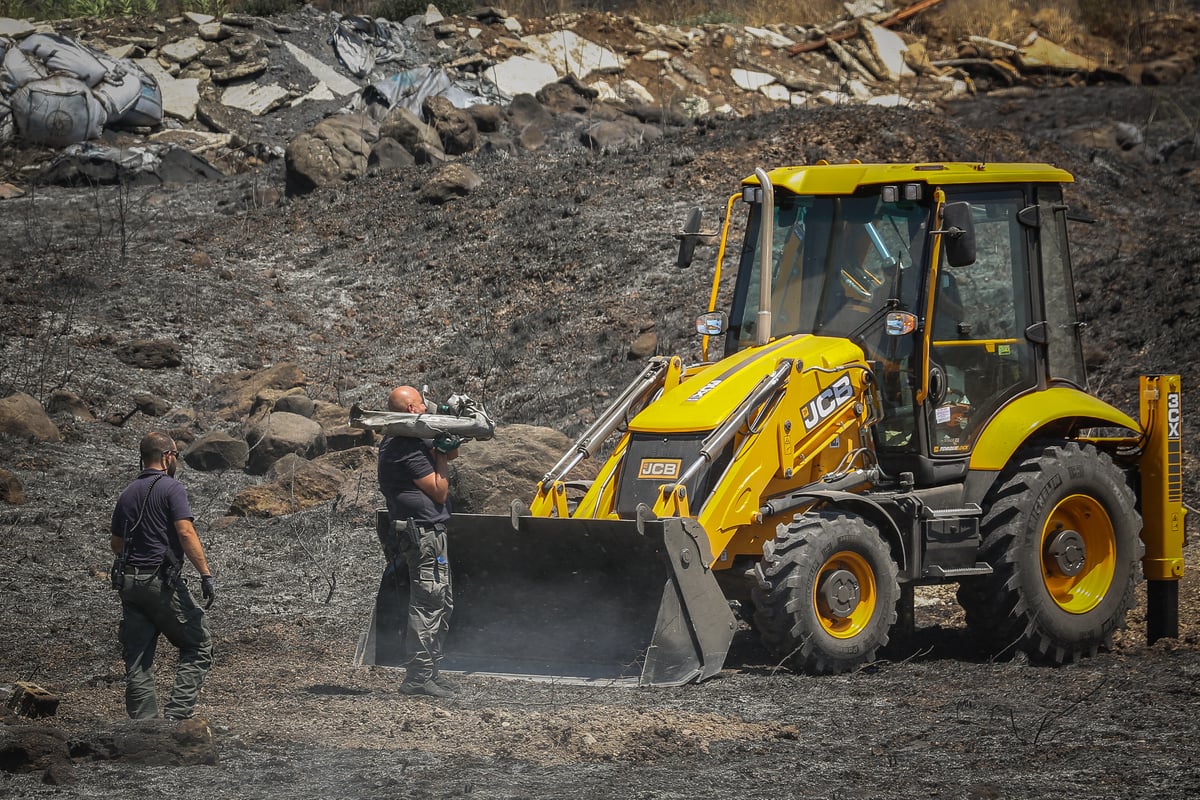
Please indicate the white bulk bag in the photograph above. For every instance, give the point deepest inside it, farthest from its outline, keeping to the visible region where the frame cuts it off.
(57, 111)
(61, 54)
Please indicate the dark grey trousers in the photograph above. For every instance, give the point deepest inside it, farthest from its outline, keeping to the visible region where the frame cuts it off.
(430, 604)
(150, 609)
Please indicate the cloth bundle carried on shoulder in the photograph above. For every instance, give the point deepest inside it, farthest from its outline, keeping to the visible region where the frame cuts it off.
(462, 417)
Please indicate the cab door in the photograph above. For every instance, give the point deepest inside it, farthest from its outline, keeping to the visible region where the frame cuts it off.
(980, 356)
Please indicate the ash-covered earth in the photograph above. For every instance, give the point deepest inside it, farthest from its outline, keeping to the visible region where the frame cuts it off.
(529, 294)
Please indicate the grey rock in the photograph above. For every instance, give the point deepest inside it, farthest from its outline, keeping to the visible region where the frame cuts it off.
(451, 181)
(414, 135)
(335, 150)
(150, 353)
(455, 127)
(216, 450)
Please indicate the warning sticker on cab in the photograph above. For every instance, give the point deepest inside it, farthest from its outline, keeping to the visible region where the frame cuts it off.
(658, 469)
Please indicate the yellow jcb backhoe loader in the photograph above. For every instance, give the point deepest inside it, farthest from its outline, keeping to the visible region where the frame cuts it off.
(894, 397)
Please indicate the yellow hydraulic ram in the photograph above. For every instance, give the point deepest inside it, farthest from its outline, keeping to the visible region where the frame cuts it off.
(1161, 467)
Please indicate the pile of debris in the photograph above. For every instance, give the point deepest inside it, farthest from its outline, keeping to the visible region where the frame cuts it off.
(349, 94)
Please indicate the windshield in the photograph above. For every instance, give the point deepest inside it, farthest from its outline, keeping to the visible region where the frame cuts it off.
(837, 262)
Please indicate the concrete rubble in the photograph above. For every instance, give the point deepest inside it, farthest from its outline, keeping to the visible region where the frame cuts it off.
(239, 83)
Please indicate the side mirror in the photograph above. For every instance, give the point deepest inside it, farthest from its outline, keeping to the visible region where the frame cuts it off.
(711, 324)
(958, 234)
(688, 238)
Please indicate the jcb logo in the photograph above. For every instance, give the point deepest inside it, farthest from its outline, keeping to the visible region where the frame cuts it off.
(827, 402)
(659, 469)
(1174, 416)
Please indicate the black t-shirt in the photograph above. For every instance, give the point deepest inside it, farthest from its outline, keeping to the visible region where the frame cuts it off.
(402, 460)
(147, 544)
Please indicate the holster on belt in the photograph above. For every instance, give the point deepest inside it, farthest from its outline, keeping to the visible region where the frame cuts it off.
(409, 527)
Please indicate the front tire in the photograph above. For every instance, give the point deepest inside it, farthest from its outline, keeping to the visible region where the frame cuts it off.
(826, 593)
(1061, 534)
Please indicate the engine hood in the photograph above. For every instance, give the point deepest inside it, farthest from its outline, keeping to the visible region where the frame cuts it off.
(703, 401)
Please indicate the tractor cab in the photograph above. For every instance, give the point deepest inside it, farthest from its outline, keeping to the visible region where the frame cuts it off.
(954, 282)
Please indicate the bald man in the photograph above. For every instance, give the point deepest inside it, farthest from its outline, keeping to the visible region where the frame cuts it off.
(413, 476)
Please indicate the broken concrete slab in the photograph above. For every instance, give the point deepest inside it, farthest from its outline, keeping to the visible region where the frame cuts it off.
(334, 81)
(319, 92)
(184, 50)
(889, 50)
(198, 18)
(15, 28)
(255, 98)
(180, 96)
(193, 141)
(571, 54)
(633, 92)
(749, 80)
(521, 75)
(122, 51)
(776, 92)
(768, 37)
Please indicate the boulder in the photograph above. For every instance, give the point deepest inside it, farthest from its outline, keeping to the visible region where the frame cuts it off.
(11, 490)
(294, 484)
(487, 476)
(25, 748)
(22, 415)
(451, 181)
(454, 126)
(525, 111)
(63, 401)
(150, 353)
(487, 117)
(216, 450)
(236, 392)
(272, 436)
(335, 150)
(388, 155)
(414, 135)
(296, 403)
(344, 437)
(150, 742)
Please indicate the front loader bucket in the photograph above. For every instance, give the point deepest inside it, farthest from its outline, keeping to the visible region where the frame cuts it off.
(574, 600)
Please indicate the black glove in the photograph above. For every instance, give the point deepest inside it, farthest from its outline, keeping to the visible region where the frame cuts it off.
(445, 443)
(208, 589)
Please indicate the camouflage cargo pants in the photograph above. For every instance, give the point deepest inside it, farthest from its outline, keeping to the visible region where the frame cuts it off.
(431, 601)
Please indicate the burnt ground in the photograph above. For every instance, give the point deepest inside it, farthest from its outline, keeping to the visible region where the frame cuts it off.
(527, 294)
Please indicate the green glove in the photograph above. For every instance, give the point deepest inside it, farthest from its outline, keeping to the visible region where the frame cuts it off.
(445, 443)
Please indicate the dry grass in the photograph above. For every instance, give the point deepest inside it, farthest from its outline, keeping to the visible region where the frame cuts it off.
(1067, 22)
(693, 12)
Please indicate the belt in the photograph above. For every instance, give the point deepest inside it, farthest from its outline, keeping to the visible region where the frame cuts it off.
(143, 570)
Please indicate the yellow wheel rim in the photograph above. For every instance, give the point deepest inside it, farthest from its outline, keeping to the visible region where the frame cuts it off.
(1079, 553)
(845, 595)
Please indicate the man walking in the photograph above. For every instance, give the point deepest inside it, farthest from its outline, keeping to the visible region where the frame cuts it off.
(152, 531)
(413, 479)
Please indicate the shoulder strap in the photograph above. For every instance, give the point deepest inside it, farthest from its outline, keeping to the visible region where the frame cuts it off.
(145, 501)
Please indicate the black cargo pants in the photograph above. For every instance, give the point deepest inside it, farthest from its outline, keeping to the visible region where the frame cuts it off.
(151, 609)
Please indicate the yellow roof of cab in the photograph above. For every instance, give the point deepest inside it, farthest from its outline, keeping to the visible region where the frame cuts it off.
(842, 179)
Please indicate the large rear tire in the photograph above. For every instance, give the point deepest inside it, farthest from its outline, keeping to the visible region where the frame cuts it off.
(825, 598)
(1061, 534)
